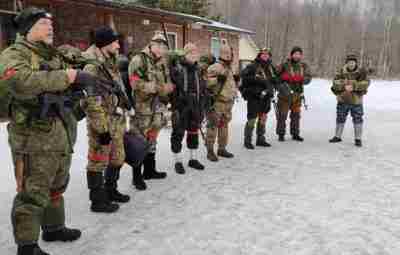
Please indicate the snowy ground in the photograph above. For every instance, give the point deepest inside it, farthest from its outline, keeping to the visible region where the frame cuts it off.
(291, 199)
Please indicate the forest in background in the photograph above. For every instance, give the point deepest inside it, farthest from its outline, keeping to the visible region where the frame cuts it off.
(327, 30)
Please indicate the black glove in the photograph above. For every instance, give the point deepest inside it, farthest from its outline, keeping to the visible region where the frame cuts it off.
(221, 79)
(87, 82)
(104, 138)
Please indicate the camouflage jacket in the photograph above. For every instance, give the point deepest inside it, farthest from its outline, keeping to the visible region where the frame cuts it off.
(292, 69)
(100, 109)
(27, 131)
(358, 78)
(148, 78)
(221, 92)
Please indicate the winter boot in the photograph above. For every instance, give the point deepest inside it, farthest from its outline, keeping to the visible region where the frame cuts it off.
(262, 142)
(224, 153)
(358, 129)
(248, 133)
(31, 249)
(335, 139)
(297, 138)
(98, 194)
(281, 138)
(111, 185)
(65, 235)
(137, 178)
(150, 171)
(194, 163)
(179, 168)
(211, 154)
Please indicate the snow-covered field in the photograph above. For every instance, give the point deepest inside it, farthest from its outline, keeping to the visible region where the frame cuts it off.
(291, 199)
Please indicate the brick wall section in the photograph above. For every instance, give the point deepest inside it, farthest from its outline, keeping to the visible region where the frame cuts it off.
(73, 23)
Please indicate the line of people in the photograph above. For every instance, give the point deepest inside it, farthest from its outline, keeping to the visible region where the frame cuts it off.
(125, 102)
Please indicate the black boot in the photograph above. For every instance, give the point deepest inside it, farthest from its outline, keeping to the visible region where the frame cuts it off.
(98, 194)
(179, 168)
(262, 142)
(249, 146)
(358, 142)
(335, 140)
(281, 138)
(31, 249)
(137, 178)
(65, 235)
(111, 185)
(298, 138)
(194, 163)
(224, 153)
(149, 171)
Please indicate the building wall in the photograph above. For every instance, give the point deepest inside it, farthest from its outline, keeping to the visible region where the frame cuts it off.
(74, 22)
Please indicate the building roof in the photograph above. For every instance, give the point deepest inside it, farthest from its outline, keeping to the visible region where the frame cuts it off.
(225, 27)
(183, 17)
(147, 10)
(175, 16)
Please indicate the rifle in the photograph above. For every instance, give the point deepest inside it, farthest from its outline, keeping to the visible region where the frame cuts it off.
(165, 34)
(114, 87)
(304, 102)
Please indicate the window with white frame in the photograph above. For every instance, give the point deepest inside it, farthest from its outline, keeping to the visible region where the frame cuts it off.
(215, 46)
(172, 39)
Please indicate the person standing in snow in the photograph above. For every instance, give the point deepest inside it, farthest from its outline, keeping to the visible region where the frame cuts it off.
(349, 86)
(223, 90)
(258, 82)
(105, 124)
(294, 74)
(151, 84)
(188, 105)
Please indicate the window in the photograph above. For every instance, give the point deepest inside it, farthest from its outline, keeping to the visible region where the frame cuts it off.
(172, 39)
(215, 46)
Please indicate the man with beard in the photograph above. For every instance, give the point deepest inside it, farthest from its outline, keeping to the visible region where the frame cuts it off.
(41, 137)
(294, 74)
(150, 80)
(187, 105)
(106, 125)
(350, 85)
(222, 86)
(258, 80)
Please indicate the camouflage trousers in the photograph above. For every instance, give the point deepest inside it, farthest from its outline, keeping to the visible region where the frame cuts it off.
(292, 104)
(218, 124)
(356, 111)
(40, 203)
(100, 156)
(149, 126)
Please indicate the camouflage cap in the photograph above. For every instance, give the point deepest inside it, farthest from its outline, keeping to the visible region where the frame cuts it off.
(189, 47)
(225, 52)
(159, 38)
(26, 19)
(265, 50)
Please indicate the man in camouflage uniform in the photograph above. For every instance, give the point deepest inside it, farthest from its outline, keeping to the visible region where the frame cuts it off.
(294, 74)
(188, 103)
(150, 80)
(350, 85)
(222, 86)
(41, 142)
(258, 80)
(106, 125)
